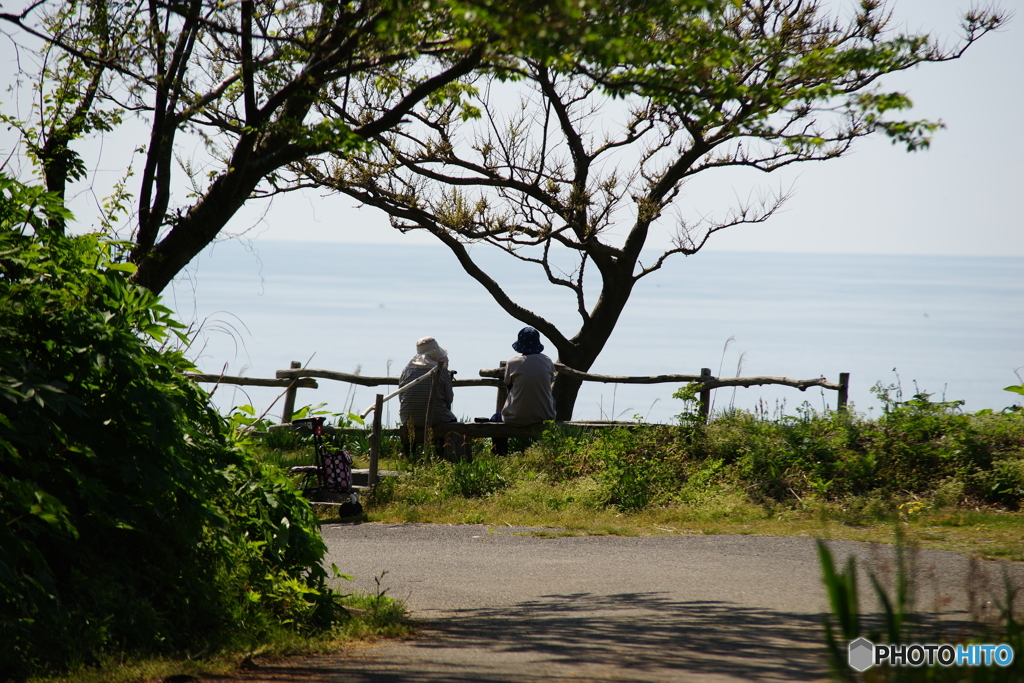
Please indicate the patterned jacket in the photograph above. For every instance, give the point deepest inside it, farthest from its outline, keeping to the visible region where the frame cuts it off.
(413, 403)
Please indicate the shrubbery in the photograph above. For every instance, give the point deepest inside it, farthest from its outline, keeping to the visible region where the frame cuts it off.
(128, 521)
(916, 449)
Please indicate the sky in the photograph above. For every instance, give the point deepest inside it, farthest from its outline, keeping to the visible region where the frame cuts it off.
(960, 196)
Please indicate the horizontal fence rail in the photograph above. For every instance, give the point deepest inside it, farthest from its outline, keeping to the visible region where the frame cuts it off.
(365, 381)
(303, 379)
(708, 381)
(302, 383)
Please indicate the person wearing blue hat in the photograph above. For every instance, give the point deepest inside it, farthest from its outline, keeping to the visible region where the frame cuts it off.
(528, 377)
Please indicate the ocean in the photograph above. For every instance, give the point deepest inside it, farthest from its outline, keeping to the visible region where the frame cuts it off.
(952, 326)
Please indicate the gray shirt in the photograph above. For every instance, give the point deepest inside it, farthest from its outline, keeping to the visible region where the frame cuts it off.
(529, 396)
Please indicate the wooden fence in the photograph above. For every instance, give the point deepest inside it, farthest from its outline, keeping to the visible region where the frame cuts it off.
(298, 377)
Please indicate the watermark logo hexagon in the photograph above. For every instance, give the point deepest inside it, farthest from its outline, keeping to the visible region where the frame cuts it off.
(862, 654)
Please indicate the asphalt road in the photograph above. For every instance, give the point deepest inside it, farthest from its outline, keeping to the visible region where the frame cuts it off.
(499, 604)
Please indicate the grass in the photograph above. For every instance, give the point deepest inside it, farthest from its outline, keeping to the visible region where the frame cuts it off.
(986, 533)
(952, 481)
(554, 509)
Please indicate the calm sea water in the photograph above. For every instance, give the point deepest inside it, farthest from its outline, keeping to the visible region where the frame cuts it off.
(950, 326)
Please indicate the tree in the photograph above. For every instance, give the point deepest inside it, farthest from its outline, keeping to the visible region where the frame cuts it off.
(573, 168)
(254, 85)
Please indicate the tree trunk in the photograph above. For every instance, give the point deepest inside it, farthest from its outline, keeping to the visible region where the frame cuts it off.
(565, 390)
(583, 349)
(190, 235)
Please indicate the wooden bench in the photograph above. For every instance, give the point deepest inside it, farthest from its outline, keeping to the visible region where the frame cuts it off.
(498, 432)
(457, 437)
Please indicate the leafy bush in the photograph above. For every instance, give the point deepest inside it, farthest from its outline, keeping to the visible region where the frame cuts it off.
(915, 448)
(472, 478)
(562, 452)
(130, 523)
(638, 467)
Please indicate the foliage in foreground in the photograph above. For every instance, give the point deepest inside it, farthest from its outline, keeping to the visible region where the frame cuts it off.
(130, 524)
(902, 624)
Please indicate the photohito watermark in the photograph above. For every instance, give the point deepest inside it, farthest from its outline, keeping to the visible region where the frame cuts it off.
(864, 654)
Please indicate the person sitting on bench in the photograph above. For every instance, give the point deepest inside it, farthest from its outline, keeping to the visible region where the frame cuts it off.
(413, 403)
(528, 377)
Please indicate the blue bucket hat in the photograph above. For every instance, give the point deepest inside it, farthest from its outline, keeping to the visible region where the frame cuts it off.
(528, 342)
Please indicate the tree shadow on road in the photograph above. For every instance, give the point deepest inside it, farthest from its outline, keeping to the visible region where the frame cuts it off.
(626, 637)
(645, 636)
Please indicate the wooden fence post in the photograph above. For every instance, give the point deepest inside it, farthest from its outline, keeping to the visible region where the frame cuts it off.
(289, 398)
(371, 477)
(844, 390)
(705, 394)
(428, 419)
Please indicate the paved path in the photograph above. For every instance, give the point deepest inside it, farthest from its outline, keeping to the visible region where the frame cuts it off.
(501, 605)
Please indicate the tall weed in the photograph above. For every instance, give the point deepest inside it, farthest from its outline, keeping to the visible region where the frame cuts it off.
(902, 624)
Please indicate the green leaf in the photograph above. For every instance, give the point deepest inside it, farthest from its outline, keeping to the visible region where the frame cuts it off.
(129, 268)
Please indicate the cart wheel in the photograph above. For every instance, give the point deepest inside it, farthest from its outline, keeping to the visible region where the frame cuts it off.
(350, 510)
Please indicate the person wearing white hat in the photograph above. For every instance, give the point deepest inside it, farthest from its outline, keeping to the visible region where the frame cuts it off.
(413, 403)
